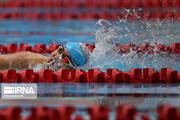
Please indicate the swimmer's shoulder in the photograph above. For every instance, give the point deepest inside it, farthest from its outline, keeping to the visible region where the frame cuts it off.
(26, 53)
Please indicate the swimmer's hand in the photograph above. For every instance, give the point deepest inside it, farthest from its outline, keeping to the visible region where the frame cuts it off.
(54, 55)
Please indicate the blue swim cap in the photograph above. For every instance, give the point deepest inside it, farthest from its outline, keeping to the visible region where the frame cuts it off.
(76, 53)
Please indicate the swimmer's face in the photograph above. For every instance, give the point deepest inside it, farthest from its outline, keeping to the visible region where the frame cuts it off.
(66, 52)
(60, 54)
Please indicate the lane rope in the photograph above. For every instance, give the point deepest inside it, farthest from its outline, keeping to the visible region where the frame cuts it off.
(113, 75)
(173, 48)
(95, 112)
(144, 15)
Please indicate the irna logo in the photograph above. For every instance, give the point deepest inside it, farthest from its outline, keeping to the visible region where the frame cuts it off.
(18, 90)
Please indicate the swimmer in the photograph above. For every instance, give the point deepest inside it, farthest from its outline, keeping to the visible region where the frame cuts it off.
(69, 55)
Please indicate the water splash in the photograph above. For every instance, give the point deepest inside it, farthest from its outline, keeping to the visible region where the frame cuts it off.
(54, 64)
(106, 55)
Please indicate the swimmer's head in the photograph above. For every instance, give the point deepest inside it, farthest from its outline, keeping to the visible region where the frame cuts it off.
(68, 56)
(79, 53)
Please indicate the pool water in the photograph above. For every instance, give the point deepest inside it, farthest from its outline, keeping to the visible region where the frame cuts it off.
(164, 32)
(144, 97)
(88, 31)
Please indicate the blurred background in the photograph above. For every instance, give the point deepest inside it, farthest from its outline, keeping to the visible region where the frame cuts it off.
(61, 21)
(48, 21)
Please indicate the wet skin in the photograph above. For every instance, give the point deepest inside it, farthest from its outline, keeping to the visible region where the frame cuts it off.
(23, 60)
(55, 54)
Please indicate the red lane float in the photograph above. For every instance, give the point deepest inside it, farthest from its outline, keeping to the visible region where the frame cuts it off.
(152, 9)
(44, 75)
(53, 47)
(77, 75)
(174, 48)
(11, 113)
(41, 112)
(151, 76)
(144, 15)
(26, 75)
(25, 47)
(95, 112)
(3, 49)
(167, 112)
(114, 76)
(40, 48)
(92, 3)
(98, 112)
(126, 112)
(169, 75)
(135, 75)
(5, 32)
(90, 46)
(8, 75)
(11, 48)
(46, 113)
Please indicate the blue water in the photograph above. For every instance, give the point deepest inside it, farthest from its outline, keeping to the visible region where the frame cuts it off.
(88, 94)
(84, 26)
(71, 26)
(164, 32)
(83, 95)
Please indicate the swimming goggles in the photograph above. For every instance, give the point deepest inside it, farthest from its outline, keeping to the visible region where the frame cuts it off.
(66, 59)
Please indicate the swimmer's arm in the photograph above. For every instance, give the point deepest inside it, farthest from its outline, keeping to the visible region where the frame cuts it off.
(3, 62)
(53, 54)
(21, 60)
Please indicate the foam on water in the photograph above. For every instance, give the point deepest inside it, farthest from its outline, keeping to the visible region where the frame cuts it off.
(106, 55)
(54, 64)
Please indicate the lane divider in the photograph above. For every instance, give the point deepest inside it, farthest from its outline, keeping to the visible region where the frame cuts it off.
(41, 33)
(91, 15)
(95, 112)
(135, 75)
(6, 32)
(173, 48)
(87, 3)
